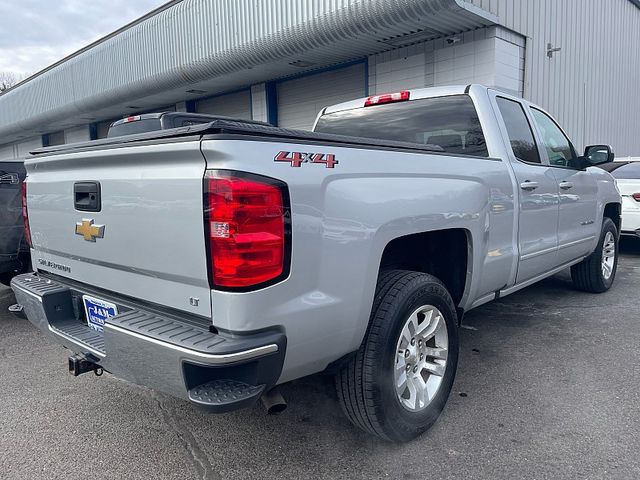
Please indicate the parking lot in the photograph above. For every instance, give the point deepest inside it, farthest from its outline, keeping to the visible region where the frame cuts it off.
(548, 386)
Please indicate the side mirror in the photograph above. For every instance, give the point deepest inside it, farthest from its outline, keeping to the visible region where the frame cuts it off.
(598, 154)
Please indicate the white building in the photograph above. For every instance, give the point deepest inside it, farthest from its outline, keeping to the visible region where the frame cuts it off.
(283, 60)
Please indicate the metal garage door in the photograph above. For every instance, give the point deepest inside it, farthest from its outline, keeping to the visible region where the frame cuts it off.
(300, 100)
(236, 105)
(26, 146)
(78, 134)
(7, 151)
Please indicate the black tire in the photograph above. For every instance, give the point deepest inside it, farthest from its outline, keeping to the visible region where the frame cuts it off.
(365, 385)
(587, 275)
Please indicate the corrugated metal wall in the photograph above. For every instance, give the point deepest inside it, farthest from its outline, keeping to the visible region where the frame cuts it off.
(492, 56)
(215, 46)
(591, 85)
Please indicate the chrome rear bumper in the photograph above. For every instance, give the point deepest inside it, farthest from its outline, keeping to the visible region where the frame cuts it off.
(157, 349)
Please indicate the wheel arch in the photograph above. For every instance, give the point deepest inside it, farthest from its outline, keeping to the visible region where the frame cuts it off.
(446, 254)
(613, 210)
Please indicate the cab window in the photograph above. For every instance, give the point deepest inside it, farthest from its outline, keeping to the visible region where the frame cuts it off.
(519, 131)
(558, 147)
(449, 124)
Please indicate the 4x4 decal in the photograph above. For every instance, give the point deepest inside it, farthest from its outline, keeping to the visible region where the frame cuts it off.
(296, 159)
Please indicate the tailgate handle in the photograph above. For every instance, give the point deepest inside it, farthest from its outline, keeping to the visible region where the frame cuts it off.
(86, 196)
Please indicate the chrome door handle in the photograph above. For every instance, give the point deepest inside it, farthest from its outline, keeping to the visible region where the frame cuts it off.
(529, 185)
(565, 185)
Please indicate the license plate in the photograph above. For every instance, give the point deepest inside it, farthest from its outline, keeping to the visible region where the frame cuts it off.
(98, 311)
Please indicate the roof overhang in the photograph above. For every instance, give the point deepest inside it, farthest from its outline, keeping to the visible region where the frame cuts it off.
(215, 46)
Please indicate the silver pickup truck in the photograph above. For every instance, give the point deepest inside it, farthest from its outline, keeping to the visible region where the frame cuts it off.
(214, 262)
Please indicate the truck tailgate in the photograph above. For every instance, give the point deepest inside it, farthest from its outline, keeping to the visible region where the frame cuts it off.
(147, 239)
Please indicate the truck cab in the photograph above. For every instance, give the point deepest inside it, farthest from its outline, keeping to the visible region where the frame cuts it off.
(558, 201)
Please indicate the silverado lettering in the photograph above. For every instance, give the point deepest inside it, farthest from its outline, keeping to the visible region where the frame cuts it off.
(54, 265)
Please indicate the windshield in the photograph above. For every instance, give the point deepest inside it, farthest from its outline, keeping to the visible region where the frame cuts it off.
(623, 170)
(450, 123)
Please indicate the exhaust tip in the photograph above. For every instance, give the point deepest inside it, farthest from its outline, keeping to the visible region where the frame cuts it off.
(277, 409)
(274, 402)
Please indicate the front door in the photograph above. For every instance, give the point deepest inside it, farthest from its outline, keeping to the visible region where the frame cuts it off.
(537, 192)
(577, 189)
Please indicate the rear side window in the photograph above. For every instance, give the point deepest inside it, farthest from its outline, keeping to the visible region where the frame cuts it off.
(450, 123)
(519, 130)
(629, 171)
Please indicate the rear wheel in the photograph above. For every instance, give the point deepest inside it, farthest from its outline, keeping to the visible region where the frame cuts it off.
(399, 381)
(597, 272)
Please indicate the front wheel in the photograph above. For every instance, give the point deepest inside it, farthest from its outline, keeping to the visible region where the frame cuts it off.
(399, 381)
(596, 273)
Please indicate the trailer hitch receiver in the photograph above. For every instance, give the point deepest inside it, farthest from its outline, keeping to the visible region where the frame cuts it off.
(79, 364)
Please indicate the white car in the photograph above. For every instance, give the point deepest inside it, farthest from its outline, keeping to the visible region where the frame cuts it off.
(627, 174)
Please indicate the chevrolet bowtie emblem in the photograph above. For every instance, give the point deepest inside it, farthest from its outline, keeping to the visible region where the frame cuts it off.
(89, 231)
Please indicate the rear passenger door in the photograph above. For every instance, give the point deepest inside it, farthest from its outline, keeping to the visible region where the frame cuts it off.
(537, 192)
(577, 190)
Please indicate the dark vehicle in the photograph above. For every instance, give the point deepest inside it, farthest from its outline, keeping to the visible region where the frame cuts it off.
(14, 251)
(149, 122)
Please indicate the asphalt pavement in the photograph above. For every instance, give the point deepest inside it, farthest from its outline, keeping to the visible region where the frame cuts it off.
(548, 387)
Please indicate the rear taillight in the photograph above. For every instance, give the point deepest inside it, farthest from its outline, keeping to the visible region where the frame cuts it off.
(636, 197)
(25, 214)
(402, 96)
(247, 228)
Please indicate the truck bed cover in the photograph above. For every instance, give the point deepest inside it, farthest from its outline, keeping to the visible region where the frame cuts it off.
(240, 129)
